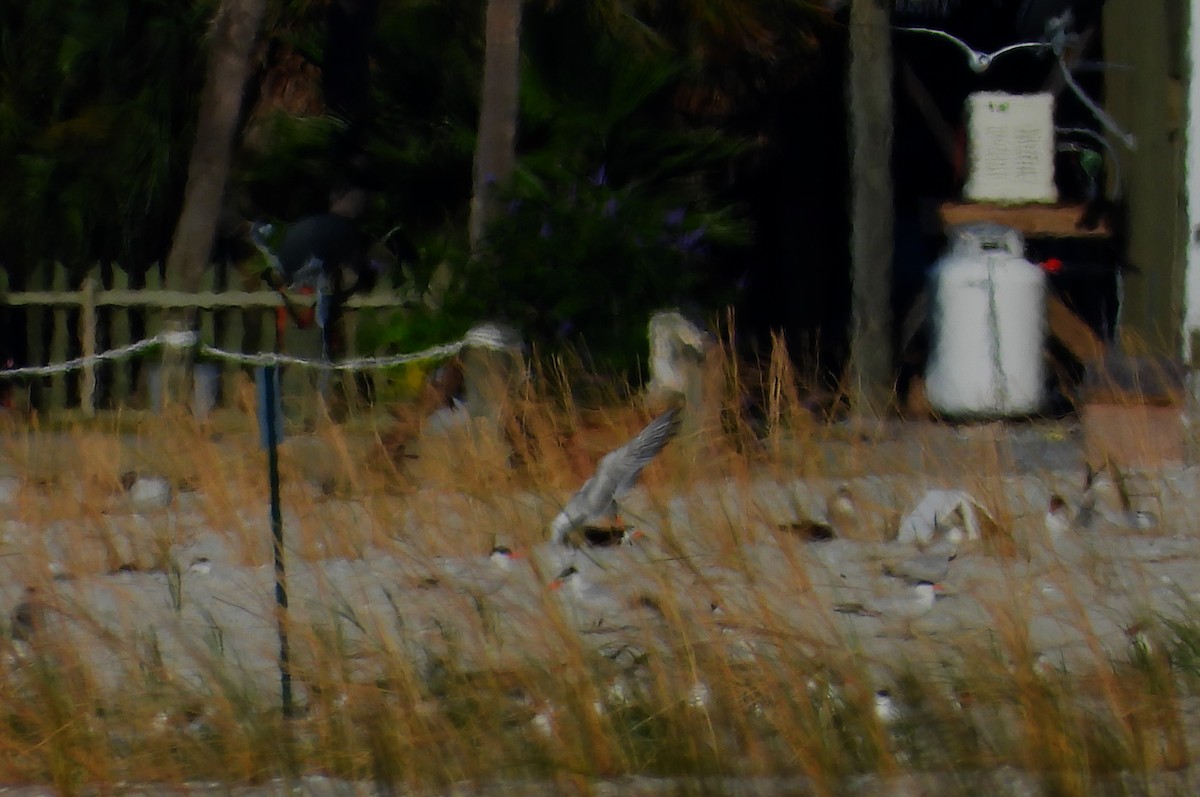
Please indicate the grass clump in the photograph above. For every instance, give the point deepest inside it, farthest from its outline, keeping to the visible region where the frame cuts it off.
(726, 662)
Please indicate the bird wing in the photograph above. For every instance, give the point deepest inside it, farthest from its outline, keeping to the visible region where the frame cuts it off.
(616, 474)
(623, 466)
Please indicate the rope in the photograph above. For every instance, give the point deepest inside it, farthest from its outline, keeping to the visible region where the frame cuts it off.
(187, 340)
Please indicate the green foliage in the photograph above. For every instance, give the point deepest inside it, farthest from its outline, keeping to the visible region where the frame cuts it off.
(614, 210)
(579, 255)
(94, 102)
(617, 207)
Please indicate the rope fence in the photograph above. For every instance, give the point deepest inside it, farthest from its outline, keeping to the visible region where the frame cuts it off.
(187, 341)
(181, 344)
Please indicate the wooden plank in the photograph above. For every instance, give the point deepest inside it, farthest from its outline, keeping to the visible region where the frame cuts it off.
(1072, 332)
(36, 336)
(87, 347)
(107, 313)
(1038, 221)
(59, 342)
(121, 373)
(155, 299)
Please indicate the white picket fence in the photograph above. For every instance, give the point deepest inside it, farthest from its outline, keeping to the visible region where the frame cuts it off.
(106, 317)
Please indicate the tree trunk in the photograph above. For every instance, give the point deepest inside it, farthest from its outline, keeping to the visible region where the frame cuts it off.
(234, 30)
(495, 145)
(871, 215)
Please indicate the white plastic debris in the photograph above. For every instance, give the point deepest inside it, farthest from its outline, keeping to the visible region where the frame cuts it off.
(149, 493)
(952, 515)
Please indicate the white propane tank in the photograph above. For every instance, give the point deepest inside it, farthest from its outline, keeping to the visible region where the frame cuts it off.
(989, 326)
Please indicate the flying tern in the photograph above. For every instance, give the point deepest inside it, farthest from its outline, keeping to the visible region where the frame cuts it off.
(614, 477)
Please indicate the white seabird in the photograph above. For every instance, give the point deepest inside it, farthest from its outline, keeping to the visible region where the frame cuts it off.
(614, 477)
(485, 574)
(588, 598)
(910, 606)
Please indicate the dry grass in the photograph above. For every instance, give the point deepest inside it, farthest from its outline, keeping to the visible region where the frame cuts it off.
(683, 699)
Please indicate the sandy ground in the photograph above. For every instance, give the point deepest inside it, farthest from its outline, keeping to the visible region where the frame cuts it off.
(202, 597)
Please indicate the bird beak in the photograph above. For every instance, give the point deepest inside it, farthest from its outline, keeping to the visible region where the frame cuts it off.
(938, 589)
(556, 585)
(516, 555)
(637, 534)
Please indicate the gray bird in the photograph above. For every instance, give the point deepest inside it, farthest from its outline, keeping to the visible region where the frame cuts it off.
(614, 477)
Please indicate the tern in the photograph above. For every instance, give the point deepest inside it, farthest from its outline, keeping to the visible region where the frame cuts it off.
(614, 477)
(1058, 518)
(596, 602)
(909, 607)
(928, 567)
(487, 575)
(841, 511)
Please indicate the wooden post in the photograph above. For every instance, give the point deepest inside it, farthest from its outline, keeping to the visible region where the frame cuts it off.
(35, 336)
(870, 111)
(119, 335)
(1146, 96)
(173, 378)
(60, 340)
(206, 323)
(228, 326)
(87, 346)
(1191, 307)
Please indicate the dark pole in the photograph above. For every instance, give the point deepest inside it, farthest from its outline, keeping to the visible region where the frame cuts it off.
(870, 105)
(285, 670)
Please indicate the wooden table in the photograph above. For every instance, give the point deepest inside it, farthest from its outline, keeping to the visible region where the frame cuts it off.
(1034, 220)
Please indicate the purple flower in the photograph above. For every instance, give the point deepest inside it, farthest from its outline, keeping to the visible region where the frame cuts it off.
(689, 240)
(674, 218)
(601, 176)
(610, 208)
(546, 230)
(513, 207)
